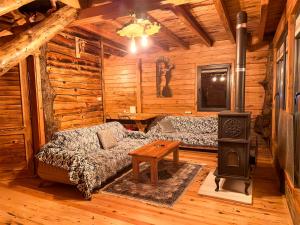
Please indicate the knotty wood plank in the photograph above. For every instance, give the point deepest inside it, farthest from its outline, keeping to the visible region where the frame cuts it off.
(66, 205)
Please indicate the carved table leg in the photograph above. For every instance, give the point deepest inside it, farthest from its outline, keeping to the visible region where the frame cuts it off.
(217, 180)
(247, 184)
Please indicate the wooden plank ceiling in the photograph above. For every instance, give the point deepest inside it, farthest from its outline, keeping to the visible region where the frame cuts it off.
(184, 22)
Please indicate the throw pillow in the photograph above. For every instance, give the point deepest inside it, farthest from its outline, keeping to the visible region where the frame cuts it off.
(167, 126)
(107, 139)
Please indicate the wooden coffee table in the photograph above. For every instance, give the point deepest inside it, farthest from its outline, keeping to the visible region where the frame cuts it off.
(153, 153)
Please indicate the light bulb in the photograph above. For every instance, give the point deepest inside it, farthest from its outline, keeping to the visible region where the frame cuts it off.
(222, 79)
(214, 79)
(144, 40)
(133, 46)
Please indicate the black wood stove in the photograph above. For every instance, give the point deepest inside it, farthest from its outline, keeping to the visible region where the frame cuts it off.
(234, 127)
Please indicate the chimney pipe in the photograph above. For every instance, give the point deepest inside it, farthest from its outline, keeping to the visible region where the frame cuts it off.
(241, 46)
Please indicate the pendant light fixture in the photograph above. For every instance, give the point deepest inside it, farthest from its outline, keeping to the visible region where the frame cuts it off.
(138, 28)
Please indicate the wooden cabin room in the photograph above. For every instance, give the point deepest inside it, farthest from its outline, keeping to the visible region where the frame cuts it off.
(150, 112)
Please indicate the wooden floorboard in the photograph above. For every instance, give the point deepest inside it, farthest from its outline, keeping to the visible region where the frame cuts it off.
(23, 202)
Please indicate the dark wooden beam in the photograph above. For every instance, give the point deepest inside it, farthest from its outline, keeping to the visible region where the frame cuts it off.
(7, 6)
(225, 19)
(30, 40)
(171, 36)
(258, 37)
(264, 8)
(184, 14)
(117, 9)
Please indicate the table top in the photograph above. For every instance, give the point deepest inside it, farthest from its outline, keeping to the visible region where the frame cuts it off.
(156, 149)
(131, 116)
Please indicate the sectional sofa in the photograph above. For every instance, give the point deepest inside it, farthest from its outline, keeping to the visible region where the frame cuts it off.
(77, 157)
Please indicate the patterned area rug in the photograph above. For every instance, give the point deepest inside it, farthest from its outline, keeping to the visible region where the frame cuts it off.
(173, 180)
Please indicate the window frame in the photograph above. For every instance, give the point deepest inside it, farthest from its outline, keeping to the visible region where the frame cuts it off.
(199, 102)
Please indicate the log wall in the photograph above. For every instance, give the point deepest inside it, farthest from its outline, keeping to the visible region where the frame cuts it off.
(15, 128)
(72, 86)
(122, 84)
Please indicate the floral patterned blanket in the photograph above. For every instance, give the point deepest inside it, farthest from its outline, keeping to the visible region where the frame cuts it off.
(79, 151)
(196, 131)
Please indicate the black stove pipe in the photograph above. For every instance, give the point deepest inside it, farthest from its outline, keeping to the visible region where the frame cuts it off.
(241, 47)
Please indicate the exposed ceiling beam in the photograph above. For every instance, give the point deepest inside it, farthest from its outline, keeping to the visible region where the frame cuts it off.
(225, 19)
(257, 38)
(108, 38)
(184, 14)
(30, 40)
(171, 36)
(264, 8)
(117, 9)
(7, 6)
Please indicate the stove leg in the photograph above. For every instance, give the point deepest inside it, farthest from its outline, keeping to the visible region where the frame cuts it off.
(217, 180)
(247, 184)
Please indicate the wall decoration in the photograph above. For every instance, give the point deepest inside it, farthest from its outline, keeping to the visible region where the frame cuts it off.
(79, 46)
(163, 77)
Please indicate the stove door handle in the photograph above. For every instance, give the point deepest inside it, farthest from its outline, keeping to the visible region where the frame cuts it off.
(296, 98)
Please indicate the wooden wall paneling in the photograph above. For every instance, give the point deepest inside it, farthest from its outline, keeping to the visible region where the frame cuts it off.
(102, 79)
(48, 95)
(280, 28)
(36, 100)
(120, 75)
(290, 63)
(139, 72)
(120, 84)
(75, 83)
(274, 92)
(15, 128)
(26, 115)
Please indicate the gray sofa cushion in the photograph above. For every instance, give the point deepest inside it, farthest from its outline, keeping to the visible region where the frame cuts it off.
(107, 139)
(167, 126)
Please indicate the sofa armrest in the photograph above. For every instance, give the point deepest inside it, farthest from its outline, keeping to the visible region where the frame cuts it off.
(136, 134)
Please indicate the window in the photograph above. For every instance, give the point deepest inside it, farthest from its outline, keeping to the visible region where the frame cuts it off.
(281, 73)
(213, 87)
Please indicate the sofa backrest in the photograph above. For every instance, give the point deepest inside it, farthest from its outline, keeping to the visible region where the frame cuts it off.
(189, 124)
(86, 138)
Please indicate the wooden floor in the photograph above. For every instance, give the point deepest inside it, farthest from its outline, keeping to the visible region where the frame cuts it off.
(23, 202)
